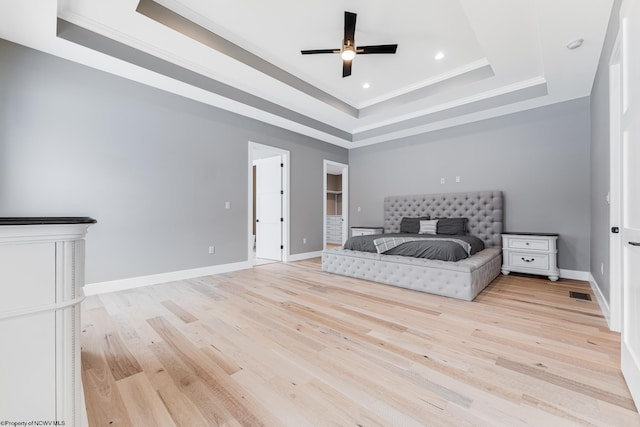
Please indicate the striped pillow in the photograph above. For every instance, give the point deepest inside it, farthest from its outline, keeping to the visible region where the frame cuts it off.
(428, 227)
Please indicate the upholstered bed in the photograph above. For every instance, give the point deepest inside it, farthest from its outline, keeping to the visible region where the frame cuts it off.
(463, 279)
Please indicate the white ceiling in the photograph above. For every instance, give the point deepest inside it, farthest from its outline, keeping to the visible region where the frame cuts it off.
(501, 56)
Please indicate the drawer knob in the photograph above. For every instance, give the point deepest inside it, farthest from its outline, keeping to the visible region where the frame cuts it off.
(527, 260)
(527, 243)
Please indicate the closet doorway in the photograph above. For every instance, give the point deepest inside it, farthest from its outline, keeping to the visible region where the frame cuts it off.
(268, 204)
(335, 204)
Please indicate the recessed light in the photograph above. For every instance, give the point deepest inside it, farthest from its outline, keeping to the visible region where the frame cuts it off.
(439, 56)
(366, 85)
(575, 44)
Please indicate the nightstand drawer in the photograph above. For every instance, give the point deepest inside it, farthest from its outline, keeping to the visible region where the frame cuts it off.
(533, 244)
(365, 231)
(529, 260)
(361, 232)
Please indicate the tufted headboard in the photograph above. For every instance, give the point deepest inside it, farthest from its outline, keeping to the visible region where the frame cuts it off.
(482, 208)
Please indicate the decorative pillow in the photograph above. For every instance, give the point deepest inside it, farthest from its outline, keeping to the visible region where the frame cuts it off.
(428, 227)
(452, 226)
(411, 225)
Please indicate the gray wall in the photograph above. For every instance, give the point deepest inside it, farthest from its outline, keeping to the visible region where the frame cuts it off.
(539, 158)
(153, 168)
(600, 159)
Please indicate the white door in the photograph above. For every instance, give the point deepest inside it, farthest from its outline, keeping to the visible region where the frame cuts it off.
(630, 230)
(269, 208)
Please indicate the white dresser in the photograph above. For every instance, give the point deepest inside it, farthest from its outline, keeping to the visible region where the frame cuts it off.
(364, 231)
(334, 229)
(41, 279)
(533, 253)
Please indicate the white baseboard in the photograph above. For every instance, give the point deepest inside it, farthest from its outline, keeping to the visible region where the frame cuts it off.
(575, 275)
(306, 255)
(602, 302)
(154, 279)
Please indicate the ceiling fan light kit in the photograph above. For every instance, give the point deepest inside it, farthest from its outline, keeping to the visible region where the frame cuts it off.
(348, 53)
(349, 50)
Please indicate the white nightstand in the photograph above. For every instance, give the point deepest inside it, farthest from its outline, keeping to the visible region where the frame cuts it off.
(533, 253)
(363, 231)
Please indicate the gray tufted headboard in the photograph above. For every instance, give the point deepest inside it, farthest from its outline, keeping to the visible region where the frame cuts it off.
(483, 208)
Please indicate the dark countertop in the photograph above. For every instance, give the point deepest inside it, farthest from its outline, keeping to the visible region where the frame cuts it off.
(46, 220)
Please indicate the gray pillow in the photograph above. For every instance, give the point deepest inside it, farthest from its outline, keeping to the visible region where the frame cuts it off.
(452, 226)
(412, 225)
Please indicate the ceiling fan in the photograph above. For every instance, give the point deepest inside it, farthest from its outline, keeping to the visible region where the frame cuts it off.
(349, 49)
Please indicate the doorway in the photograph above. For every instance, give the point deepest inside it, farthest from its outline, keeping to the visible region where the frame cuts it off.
(268, 222)
(335, 205)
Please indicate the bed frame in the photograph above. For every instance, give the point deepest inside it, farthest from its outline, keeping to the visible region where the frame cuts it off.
(463, 279)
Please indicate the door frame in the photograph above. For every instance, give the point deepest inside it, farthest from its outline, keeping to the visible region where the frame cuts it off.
(629, 118)
(326, 166)
(615, 189)
(254, 148)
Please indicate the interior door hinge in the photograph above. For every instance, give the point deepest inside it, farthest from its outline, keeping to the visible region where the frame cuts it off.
(281, 246)
(281, 219)
(281, 165)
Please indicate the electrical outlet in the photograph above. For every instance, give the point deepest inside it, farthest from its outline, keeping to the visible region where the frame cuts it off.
(304, 240)
(441, 180)
(227, 205)
(212, 249)
(359, 209)
(457, 178)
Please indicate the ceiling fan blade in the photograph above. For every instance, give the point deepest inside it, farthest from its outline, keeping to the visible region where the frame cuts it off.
(349, 28)
(346, 68)
(314, 51)
(381, 48)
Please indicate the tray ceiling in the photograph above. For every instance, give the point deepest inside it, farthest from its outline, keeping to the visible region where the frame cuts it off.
(500, 56)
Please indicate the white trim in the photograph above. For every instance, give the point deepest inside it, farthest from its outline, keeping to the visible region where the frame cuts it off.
(32, 233)
(615, 184)
(154, 279)
(630, 361)
(40, 308)
(305, 255)
(575, 275)
(466, 68)
(602, 302)
(503, 90)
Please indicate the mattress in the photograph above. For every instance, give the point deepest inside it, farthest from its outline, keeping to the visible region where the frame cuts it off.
(436, 246)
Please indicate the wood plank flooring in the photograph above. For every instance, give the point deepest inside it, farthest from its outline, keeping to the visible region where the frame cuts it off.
(288, 345)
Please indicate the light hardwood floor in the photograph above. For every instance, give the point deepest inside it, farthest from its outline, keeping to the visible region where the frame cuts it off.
(288, 345)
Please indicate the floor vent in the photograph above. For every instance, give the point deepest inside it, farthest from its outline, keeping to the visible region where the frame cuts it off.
(580, 295)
